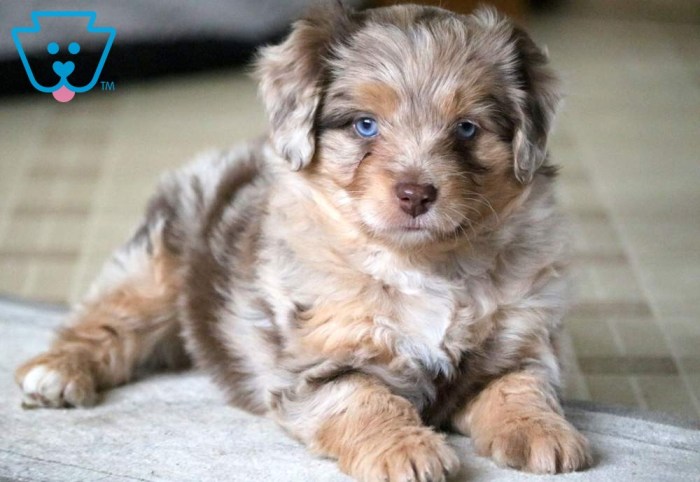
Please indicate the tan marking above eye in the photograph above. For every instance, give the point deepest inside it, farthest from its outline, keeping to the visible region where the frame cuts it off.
(377, 97)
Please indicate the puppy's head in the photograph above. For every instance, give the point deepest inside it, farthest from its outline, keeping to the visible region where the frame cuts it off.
(419, 124)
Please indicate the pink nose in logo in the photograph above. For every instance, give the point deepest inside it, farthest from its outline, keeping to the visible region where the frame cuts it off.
(63, 69)
(63, 94)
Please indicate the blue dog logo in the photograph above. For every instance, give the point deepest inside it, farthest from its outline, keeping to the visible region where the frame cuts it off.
(63, 90)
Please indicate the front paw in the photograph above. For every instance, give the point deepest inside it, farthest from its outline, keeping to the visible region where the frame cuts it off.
(544, 445)
(415, 454)
(56, 379)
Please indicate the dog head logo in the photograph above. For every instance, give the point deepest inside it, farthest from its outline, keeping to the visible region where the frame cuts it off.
(64, 76)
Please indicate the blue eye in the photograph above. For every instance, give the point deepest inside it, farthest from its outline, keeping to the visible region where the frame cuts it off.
(466, 130)
(366, 127)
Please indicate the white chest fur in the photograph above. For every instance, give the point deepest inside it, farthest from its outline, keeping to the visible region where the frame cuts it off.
(423, 307)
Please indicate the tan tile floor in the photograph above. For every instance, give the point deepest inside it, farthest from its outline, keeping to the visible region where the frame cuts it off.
(74, 179)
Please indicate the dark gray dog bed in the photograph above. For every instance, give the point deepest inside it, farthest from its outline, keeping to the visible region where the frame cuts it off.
(176, 427)
(154, 37)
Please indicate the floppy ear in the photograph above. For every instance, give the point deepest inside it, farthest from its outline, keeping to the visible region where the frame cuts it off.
(291, 77)
(531, 85)
(538, 108)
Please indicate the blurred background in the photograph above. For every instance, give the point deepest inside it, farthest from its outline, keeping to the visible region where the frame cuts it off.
(74, 177)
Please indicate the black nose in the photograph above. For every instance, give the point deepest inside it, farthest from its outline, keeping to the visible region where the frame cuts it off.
(415, 199)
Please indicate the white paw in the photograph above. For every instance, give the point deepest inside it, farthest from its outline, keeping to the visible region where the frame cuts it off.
(55, 380)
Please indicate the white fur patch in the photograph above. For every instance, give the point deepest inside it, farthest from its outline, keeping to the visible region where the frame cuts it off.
(31, 381)
(425, 307)
(42, 386)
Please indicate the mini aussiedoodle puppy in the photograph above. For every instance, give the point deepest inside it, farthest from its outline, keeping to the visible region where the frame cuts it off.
(388, 263)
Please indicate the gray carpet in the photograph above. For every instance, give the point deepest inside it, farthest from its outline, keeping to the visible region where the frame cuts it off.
(175, 427)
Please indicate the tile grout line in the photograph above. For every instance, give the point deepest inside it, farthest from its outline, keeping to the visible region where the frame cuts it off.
(100, 190)
(656, 317)
(15, 187)
(616, 335)
(570, 360)
(636, 270)
(572, 369)
(30, 290)
(20, 183)
(72, 161)
(620, 345)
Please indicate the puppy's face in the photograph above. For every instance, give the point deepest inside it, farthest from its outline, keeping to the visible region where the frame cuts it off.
(417, 123)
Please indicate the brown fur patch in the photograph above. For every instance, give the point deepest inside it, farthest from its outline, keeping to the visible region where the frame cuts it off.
(380, 437)
(343, 333)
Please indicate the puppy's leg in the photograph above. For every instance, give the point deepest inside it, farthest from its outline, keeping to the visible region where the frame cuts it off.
(518, 421)
(127, 320)
(374, 435)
